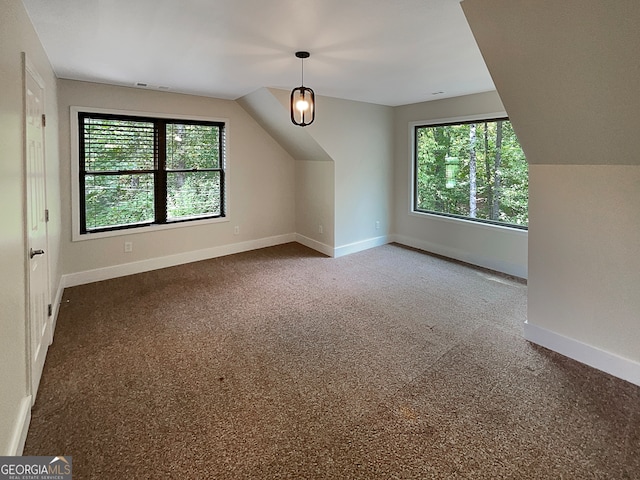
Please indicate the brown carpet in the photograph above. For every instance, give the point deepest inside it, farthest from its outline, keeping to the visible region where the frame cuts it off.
(282, 363)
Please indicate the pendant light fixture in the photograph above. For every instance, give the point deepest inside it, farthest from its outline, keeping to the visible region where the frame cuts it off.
(303, 100)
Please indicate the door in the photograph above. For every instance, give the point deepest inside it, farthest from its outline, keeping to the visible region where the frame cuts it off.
(39, 332)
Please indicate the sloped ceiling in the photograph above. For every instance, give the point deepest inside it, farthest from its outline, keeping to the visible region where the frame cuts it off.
(261, 105)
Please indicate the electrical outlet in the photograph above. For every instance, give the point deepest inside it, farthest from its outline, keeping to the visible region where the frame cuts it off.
(236, 230)
(377, 224)
(320, 229)
(128, 247)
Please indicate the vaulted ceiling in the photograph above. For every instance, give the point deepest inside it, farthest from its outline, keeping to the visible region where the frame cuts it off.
(379, 51)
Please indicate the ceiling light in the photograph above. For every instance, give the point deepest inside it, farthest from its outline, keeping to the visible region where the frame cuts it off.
(303, 100)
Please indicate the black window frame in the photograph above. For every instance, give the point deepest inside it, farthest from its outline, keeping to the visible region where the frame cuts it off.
(414, 163)
(159, 171)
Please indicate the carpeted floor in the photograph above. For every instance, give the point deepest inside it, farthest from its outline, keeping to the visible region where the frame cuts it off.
(284, 364)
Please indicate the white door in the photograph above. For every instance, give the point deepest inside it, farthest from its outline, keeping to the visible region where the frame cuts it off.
(39, 332)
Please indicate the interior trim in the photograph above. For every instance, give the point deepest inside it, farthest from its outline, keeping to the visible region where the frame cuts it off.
(607, 362)
(509, 268)
(115, 271)
(360, 246)
(315, 245)
(19, 436)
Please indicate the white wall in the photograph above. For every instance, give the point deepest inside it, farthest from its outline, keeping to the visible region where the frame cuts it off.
(357, 137)
(585, 280)
(499, 248)
(260, 176)
(315, 204)
(568, 72)
(16, 36)
(314, 177)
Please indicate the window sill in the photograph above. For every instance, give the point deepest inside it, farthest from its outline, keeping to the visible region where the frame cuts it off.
(78, 237)
(464, 221)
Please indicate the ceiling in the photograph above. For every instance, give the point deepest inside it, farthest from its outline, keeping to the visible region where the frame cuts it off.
(386, 52)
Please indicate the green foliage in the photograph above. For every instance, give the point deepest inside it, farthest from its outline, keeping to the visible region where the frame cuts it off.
(190, 195)
(120, 159)
(118, 200)
(193, 194)
(192, 146)
(443, 164)
(115, 145)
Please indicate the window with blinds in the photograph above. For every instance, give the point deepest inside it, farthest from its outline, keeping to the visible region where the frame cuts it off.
(138, 171)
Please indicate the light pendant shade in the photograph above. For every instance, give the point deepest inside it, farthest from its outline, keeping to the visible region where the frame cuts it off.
(303, 100)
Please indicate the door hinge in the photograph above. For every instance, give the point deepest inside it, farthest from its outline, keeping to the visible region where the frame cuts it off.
(44, 120)
(50, 310)
(46, 215)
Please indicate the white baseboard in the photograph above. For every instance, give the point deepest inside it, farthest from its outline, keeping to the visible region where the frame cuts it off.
(360, 246)
(610, 363)
(106, 273)
(21, 428)
(343, 249)
(56, 308)
(315, 245)
(462, 255)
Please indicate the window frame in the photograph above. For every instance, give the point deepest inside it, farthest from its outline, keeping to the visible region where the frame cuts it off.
(413, 164)
(77, 199)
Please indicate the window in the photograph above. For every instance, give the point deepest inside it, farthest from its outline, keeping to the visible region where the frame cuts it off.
(474, 170)
(139, 171)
